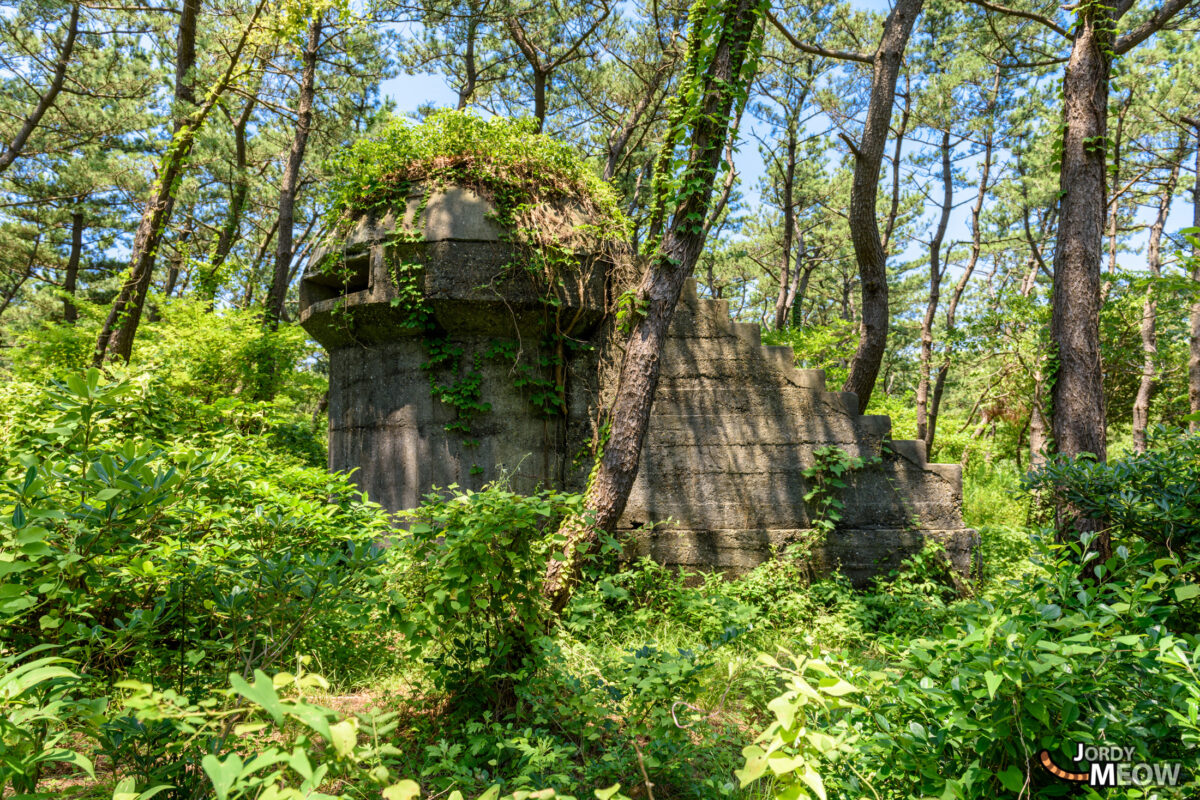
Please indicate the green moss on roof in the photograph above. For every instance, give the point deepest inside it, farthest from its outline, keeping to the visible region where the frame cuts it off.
(503, 158)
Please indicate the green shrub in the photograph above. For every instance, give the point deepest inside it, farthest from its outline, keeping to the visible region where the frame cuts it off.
(992, 495)
(1153, 495)
(477, 562)
(827, 347)
(1046, 663)
(168, 562)
(39, 698)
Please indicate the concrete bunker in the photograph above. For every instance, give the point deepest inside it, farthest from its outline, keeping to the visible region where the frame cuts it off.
(734, 423)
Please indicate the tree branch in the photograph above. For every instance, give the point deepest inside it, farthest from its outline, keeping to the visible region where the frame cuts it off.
(841, 55)
(47, 99)
(1016, 12)
(1144, 31)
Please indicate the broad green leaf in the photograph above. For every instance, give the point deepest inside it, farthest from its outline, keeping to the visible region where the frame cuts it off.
(343, 736)
(1187, 592)
(261, 692)
(784, 708)
(1012, 779)
(223, 774)
(404, 790)
(993, 682)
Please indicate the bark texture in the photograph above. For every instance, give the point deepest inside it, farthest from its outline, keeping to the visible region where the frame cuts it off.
(1078, 392)
(864, 224)
(924, 430)
(658, 294)
(985, 172)
(1148, 329)
(277, 295)
(70, 312)
(1194, 343)
(789, 232)
(238, 195)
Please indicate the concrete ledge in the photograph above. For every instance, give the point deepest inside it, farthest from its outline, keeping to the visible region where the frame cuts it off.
(749, 333)
(808, 379)
(875, 425)
(859, 553)
(910, 449)
(780, 356)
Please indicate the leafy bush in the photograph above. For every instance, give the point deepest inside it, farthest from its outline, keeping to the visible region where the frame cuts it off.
(165, 561)
(1051, 663)
(1153, 495)
(828, 347)
(38, 698)
(477, 564)
(808, 729)
(1048, 662)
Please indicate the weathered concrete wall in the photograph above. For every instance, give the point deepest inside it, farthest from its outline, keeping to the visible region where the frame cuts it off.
(383, 419)
(733, 427)
(735, 424)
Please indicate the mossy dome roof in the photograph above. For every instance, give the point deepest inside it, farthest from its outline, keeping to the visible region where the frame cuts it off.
(522, 173)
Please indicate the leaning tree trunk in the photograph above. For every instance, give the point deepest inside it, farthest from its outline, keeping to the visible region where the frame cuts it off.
(1077, 397)
(46, 101)
(924, 429)
(1114, 200)
(789, 228)
(864, 225)
(1194, 344)
(721, 71)
(239, 191)
(70, 312)
(291, 178)
(116, 337)
(985, 171)
(1148, 328)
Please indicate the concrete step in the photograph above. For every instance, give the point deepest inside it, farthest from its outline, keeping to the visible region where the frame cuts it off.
(749, 333)
(808, 379)
(780, 356)
(911, 449)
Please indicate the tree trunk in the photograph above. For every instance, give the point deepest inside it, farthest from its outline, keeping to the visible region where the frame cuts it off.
(618, 138)
(467, 92)
(11, 292)
(70, 312)
(1077, 397)
(540, 79)
(1194, 343)
(1114, 202)
(789, 226)
(1148, 328)
(238, 195)
(864, 225)
(708, 118)
(985, 172)
(277, 295)
(801, 272)
(116, 337)
(924, 431)
(894, 210)
(120, 328)
(1038, 441)
(179, 259)
(46, 101)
